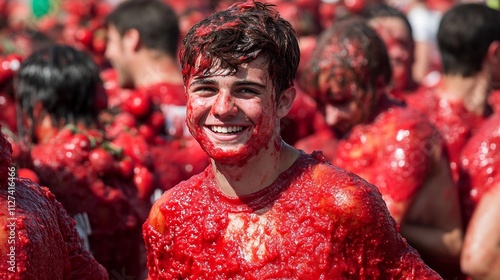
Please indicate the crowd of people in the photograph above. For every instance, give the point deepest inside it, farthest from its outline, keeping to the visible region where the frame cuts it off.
(283, 139)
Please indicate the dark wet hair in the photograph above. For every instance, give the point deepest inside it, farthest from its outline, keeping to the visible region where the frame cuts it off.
(238, 35)
(464, 36)
(371, 72)
(156, 22)
(386, 11)
(64, 80)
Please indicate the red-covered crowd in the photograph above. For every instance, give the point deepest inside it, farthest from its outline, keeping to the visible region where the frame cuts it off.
(375, 156)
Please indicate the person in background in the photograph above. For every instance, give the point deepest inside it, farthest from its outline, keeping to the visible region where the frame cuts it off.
(391, 146)
(394, 29)
(479, 161)
(264, 209)
(38, 239)
(143, 38)
(59, 94)
(468, 36)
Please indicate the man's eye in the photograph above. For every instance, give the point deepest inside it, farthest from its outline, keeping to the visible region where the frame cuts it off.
(203, 90)
(247, 92)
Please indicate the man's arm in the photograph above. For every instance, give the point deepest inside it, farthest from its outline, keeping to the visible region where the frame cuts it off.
(434, 223)
(481, 252)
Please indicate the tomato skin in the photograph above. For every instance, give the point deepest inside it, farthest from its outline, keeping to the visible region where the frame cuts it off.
(147, 132)
(354, 6)
(139, 105)
(84, 36)
(126, 167)
(144, 181)
(101, 161)
(157, 122)
(28, 173)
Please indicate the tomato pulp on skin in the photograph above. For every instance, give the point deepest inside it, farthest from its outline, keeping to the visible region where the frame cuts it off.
(314, 221)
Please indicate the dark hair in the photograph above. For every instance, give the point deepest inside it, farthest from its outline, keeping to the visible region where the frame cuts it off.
(366, 57)
(464, 36)
(156, 22)
(386, 11)
(238, 35)
(64, 80)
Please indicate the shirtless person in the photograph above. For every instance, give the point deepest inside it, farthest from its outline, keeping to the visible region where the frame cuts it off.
(480, 164)
(38, 239)
(263, 209)
(387, 144)
(458, 104)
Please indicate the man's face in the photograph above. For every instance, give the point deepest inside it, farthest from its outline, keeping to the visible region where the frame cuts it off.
(343, 103)
(398, 40)
(118, 57)
(233, 117)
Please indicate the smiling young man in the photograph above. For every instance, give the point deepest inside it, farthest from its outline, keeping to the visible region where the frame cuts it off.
(264, 209)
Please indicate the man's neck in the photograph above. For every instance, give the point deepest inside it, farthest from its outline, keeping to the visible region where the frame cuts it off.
(257, 173)
(472, 92)
(154, 68)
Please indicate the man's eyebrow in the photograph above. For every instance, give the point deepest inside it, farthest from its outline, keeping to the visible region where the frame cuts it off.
(250, 83)
(209, 81)
(203, 81)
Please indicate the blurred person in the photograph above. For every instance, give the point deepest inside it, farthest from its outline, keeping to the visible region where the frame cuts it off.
(304, 118)
(38, 239)
(143, 38)
(263, 209)
(424, 17)
(391, 146)
(468, 39)
(142, 45)
(58, 91)
(480, 164)
(394, 29)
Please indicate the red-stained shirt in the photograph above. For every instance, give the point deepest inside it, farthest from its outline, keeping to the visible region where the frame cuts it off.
(45, 242)
(314, 222)
(480, 162)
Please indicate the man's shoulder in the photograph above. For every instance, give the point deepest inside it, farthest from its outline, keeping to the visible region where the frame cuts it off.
(341, 187)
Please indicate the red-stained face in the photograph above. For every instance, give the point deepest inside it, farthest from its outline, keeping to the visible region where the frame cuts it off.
(398, 40)
(117, 56)
(233, 117)
(344, 104)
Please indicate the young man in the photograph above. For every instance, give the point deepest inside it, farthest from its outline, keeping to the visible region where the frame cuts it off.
(468, 39)
(38, 239)
(264, 209)
(391, 146)
(143, 38)
(394, 29)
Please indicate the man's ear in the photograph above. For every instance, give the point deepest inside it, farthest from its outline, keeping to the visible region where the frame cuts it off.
(494, 53)
(285, 101)
(131, 40)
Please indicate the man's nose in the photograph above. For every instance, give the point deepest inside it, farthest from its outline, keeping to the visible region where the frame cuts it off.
(224, 105)
(332, 115)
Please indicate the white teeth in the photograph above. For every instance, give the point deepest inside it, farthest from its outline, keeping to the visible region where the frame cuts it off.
(224, 129)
